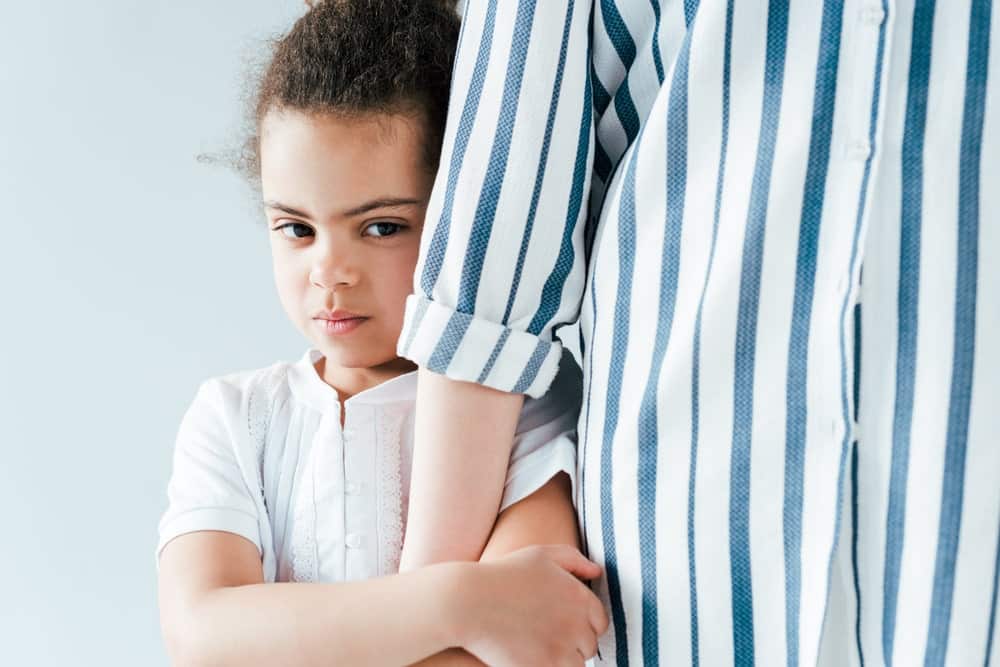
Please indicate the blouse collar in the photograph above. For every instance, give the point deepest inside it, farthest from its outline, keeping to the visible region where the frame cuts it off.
(307, 386)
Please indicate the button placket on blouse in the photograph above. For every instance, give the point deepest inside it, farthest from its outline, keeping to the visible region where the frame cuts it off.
(359, 458)
(328, 480)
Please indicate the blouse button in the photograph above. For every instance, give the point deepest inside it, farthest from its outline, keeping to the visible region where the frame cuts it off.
(353, 541)
(352, 488)
(348, 433)
(859, 150)
(872, 15)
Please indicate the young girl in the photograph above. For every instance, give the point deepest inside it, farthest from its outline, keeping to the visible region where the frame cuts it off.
(282, 538)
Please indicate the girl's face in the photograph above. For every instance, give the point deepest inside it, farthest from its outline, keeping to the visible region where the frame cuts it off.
(345, 200)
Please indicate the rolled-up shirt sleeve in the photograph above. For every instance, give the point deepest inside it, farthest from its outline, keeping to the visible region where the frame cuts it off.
(502, 258)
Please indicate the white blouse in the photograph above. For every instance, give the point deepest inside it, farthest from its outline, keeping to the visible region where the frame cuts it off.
(262, 454)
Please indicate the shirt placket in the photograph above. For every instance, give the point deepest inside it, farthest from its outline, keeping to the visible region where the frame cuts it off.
(856, 148)
(328, 486)
(358, 442)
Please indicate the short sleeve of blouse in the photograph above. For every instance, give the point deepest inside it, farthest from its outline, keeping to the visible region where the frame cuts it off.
(545, 440)
(207, 489)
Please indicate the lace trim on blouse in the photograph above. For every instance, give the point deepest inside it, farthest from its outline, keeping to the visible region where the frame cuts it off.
(305, 565)
(390, 491)
(260, 406)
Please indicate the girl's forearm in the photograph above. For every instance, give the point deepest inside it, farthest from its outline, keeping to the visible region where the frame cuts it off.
(454, 657)
(394, 620)
(463, 438)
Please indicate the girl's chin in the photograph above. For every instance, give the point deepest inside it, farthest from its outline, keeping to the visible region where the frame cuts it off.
(350, 356)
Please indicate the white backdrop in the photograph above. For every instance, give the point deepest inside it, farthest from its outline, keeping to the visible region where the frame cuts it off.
(128, 273)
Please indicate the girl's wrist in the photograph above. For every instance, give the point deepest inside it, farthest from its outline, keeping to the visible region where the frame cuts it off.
(458, 581)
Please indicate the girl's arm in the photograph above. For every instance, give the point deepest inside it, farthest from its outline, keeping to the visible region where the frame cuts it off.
(216, 610)
(523, 608)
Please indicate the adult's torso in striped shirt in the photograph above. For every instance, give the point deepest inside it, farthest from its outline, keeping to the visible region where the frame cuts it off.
(752, 499)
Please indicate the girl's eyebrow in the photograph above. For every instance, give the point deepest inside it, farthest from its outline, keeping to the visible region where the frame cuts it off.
(277, 205)
(381, 202)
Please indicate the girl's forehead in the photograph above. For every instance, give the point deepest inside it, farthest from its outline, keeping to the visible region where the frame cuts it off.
(324, 160)
(374, 131)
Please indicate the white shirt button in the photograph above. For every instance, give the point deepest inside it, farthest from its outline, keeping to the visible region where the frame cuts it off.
(352, 488)
(353, 541)
(858, 150)
(349, 433)
(872, 15)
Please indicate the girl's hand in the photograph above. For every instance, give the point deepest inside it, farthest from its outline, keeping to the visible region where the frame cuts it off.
(529, 608)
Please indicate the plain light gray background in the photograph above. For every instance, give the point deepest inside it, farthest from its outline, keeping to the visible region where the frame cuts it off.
(129, 272)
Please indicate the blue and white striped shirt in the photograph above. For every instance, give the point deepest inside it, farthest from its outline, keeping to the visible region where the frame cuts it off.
(781, 461)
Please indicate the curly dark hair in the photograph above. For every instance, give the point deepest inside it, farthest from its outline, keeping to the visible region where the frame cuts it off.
(357, 57)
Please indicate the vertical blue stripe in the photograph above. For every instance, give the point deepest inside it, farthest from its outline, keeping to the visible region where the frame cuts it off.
(531, 369)
(418, 318)
(624, 45)
(648, 427)
(588, 361)
(626, 110)
(542, 162)
(911, 221)
(619, 348)
(857, 354)
(993, 606)
(854, 483)
(449, 341)
(696, 354)
(602, 164)
(602, 98)
(690, 10)
(439, 242)
(482, 223)
(493, 356)
(854, 552)
(967, 265)
(655, 44)
(618, 33)
(824, 100)
(552, 291)
(746, 337)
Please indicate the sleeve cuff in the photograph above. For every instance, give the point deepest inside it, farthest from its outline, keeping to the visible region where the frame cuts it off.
(467, 348)
(209, 518)
(530, 473)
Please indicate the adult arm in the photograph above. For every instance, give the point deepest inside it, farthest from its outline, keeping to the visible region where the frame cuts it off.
(501, 260)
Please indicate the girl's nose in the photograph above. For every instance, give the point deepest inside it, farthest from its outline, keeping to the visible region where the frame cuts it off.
(333, 269)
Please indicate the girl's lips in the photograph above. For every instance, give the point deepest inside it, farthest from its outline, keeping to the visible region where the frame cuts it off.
(341, 326)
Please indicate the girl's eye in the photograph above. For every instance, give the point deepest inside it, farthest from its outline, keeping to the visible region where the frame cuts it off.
(294, 230)
(382, 229)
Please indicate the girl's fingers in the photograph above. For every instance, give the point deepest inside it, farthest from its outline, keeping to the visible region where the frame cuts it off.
(572, 561)
(598, 617)
(588, 647)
